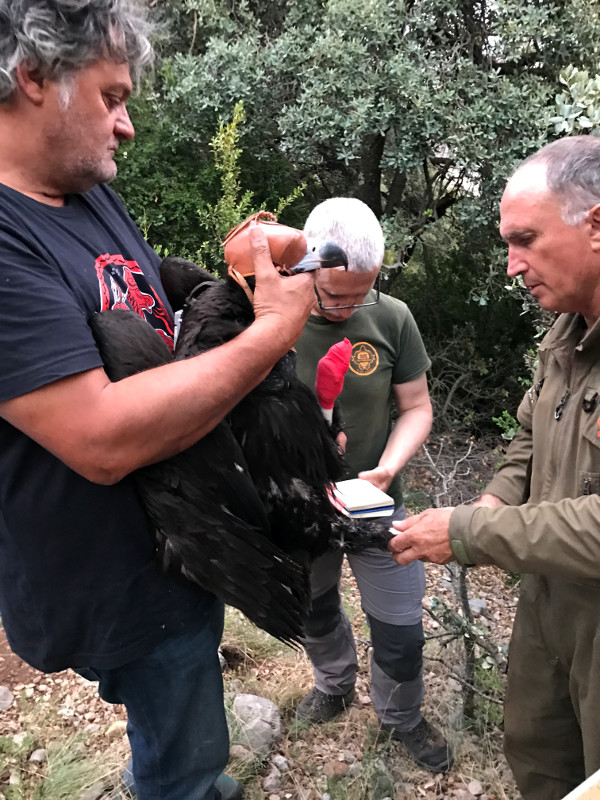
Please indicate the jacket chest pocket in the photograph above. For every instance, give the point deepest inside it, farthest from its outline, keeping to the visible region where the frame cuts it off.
(589, 474)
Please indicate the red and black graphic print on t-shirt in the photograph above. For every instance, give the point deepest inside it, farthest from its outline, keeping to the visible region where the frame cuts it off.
(124, 285)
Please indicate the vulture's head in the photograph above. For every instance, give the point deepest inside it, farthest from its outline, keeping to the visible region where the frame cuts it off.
(291, 252)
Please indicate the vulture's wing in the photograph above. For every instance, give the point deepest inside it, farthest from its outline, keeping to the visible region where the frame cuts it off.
(288, 446)
(209, 519)
(179, 277)
(127, 343)
(212, 543)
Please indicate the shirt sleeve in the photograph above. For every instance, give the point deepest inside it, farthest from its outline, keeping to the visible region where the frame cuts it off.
(510, 483)
(44, 334)
(411, 357)
(559, 539)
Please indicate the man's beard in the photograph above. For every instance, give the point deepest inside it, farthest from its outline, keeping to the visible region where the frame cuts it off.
(71, 173)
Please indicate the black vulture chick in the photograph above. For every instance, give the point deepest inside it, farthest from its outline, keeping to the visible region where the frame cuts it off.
(210, 523)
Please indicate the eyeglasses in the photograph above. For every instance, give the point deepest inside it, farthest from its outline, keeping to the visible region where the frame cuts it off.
(377, 288)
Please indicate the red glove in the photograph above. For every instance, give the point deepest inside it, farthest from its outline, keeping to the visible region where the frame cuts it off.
(331, 370)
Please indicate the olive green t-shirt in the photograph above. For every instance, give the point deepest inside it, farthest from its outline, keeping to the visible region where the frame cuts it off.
(387, 349)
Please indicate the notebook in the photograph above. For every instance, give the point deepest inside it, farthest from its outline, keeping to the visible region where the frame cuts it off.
(359, 498)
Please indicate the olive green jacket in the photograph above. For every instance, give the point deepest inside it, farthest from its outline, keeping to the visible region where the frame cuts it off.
(551, 476)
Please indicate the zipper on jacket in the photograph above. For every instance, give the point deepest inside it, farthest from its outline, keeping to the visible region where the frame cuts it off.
(558, 412)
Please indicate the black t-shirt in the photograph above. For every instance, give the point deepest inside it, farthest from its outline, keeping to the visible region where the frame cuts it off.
(80, 584)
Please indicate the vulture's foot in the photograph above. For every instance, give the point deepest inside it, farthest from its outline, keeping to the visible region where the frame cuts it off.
(355, 536)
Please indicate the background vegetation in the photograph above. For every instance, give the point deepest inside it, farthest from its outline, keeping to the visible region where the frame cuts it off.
(419, 107)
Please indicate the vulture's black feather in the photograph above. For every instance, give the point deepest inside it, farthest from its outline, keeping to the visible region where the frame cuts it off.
(245, 510)
(211, 525)
(291, 454)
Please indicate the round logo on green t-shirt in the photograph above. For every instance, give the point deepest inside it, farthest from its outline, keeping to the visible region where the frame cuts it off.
(365, 359)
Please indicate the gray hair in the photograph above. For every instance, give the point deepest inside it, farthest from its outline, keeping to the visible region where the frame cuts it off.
(572, 173)
(352, 225)
(59, 37)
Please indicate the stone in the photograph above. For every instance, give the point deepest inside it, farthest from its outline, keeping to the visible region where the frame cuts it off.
(116, 729)
(95, 791)
(241, 753)
(477, 606)
(475, 788)
(382, 781)
(6, 698)
(272, 783)
(356, 769)
(259, 720)
(281, 763)
(39, 756)
(335, 769)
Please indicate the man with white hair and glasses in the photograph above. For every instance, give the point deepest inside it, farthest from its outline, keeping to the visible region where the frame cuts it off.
(387, 366)
(540, 515)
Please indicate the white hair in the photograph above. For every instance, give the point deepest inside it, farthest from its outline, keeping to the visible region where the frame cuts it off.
(572, 172)
(352, 225)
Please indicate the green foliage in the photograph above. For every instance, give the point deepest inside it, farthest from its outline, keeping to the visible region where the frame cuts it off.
(491, 684)
(421, 108)
(412, 105)
(233, 205)
(507, 424)
(161, 180)
(164, 181)
(475, 348)
(69, 770)
(578, 107)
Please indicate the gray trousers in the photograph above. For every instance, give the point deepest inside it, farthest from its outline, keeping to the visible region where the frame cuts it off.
(391, 598)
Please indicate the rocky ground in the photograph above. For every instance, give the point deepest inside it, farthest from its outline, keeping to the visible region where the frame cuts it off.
(349, 758)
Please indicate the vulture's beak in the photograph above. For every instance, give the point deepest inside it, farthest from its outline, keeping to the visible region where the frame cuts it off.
(320, 255)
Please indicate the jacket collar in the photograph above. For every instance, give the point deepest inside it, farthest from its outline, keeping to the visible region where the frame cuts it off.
(570, 333)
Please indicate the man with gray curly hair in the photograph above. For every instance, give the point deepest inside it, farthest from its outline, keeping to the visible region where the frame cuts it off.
(387, 366)
(80, 585)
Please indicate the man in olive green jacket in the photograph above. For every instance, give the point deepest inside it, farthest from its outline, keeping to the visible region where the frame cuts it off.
(540, 515)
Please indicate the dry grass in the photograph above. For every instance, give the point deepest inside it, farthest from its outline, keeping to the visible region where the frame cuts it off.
(63, 714)
(283, 676)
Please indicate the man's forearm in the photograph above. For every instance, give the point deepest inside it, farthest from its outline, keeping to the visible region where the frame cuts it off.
(191, 397)
(559, 539)
(409, 433)
(104, 430)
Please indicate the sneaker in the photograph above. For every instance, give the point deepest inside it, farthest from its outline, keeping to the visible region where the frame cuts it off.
(229, 788)
(316, 706)
(427, 746)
